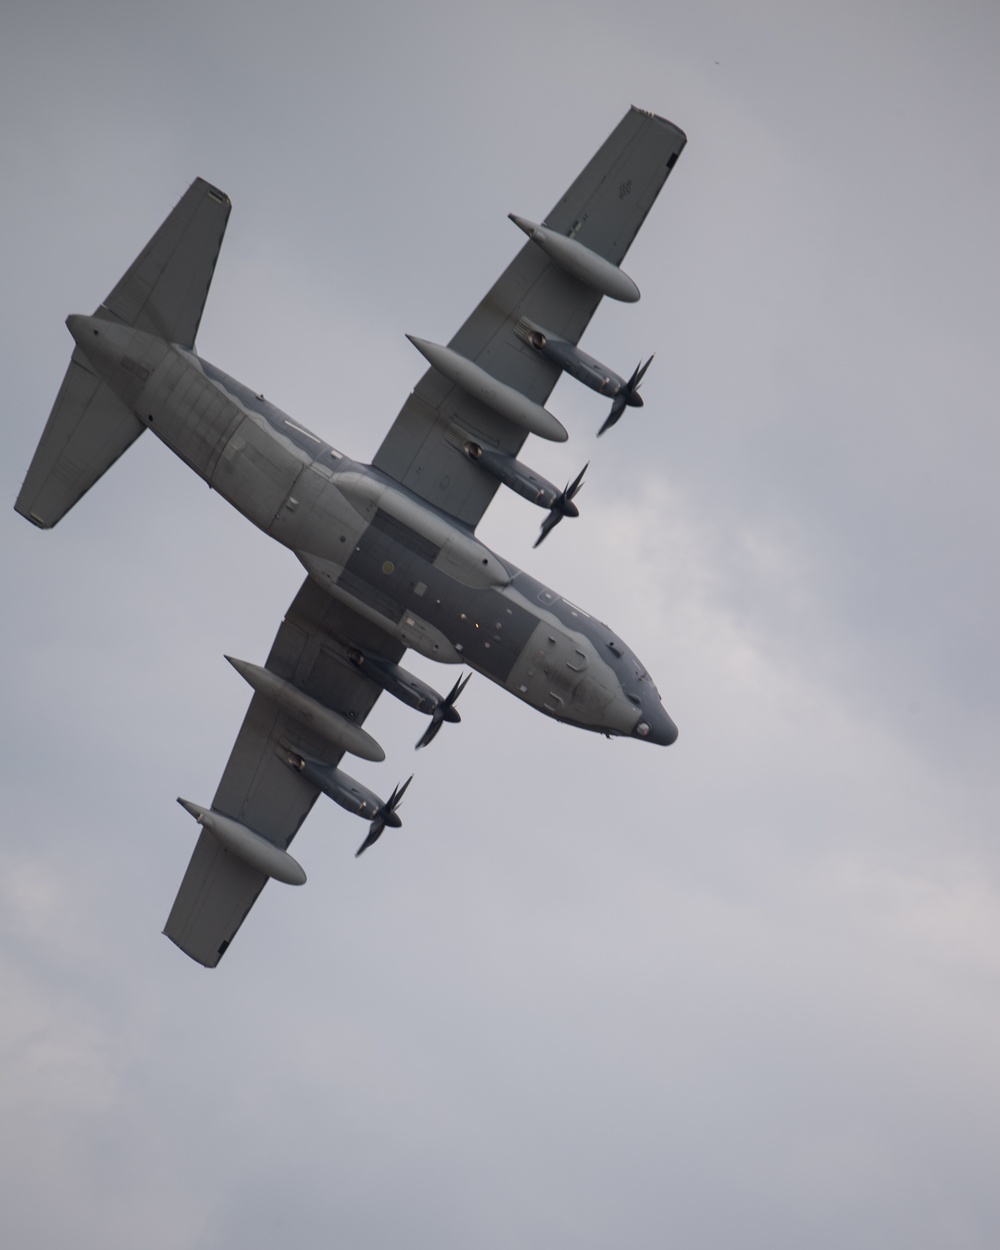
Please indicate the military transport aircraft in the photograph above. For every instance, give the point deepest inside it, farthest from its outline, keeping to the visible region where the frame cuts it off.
(389, 548)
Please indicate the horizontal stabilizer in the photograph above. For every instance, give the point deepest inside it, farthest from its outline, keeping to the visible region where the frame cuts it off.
(88, 429)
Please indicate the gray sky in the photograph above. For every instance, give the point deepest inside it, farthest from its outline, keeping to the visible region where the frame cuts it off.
(743, 992)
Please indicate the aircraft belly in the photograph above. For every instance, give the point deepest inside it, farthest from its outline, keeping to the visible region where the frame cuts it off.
(315, 518)
(138, 365)
(490, 631)
(561, 674)
(391, 570)
(189, 413)
(257, 471)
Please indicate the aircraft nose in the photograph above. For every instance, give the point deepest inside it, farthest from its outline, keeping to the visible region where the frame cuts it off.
(656, 726)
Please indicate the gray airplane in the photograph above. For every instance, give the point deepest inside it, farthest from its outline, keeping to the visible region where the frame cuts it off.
(390, 548)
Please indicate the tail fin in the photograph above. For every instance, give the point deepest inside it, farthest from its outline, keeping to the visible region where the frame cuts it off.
(165, 288)
(163, 292)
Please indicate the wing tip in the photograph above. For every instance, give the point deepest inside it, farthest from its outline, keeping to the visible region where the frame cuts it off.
(213, 192)
(664, 121)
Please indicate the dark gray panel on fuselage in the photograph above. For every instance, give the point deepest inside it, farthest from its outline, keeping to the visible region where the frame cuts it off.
(386, 572)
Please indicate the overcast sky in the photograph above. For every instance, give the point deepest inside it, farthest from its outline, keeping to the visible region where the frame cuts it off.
(741, 992)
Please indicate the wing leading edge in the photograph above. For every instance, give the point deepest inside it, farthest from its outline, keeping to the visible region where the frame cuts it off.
(258, 788)
(602, 210)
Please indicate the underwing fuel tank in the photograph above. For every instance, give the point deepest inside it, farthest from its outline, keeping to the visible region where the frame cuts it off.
(503, 399)
(247, 845)
(589, 268)
(347, 793)
(307, 711)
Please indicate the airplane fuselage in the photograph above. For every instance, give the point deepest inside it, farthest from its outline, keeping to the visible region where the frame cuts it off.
(393, 558)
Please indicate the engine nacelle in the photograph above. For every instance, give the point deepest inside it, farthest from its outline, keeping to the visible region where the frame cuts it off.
(347, 793)
(517, 476)
(330, 725)
(460, 555)
(393, 679)
(570, 359)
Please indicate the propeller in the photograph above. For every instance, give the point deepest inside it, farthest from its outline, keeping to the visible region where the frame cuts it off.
(628, 396)
(445, 711)
(385, 816)
(562, 505)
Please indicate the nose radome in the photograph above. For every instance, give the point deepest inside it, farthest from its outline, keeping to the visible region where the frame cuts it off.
(656, 726)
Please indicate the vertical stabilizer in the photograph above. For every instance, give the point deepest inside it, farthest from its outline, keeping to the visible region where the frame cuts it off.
(164, 290)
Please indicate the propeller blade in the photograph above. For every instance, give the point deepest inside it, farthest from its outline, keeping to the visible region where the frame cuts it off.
(430, 733)
(617, 408)
(445, 711)
(628, 396)
(640, 372)
(571, 491)
(548, 525)
(374, 833)
(456, 690)
(561, 506)
(397, 796)
(386, 815)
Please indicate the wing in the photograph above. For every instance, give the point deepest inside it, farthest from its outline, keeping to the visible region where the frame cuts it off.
(258, 788)
(603, 210)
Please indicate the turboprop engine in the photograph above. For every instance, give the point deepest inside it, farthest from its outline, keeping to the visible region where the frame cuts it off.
(529, 484)
(351, 795)
(578, 364)
(410, 690)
